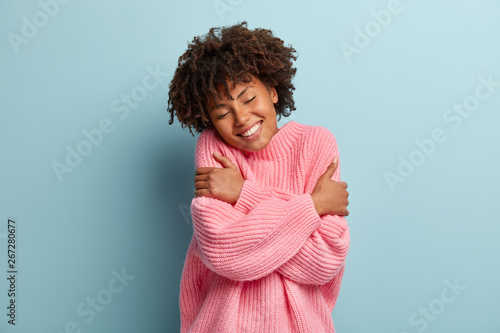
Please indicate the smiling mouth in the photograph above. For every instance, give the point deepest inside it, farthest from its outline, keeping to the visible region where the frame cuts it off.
(252, 130)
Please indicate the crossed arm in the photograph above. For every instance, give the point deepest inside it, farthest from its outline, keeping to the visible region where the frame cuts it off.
(245, 231)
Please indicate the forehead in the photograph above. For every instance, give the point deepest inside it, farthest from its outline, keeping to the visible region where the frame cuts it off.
(234, 89)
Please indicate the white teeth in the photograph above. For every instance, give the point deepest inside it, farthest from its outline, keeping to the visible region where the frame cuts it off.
(252, 130)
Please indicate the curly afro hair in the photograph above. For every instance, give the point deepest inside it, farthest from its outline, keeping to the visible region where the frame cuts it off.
(229, 53)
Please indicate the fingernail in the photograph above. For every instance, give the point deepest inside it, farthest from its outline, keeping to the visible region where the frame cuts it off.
(334, 160)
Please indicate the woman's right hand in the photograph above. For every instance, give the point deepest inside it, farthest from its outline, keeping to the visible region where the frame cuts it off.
(329, 196)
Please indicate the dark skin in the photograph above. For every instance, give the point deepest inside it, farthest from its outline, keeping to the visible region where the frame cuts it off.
(329, 196)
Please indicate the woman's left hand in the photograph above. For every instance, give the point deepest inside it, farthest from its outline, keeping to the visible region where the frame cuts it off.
(221, 183)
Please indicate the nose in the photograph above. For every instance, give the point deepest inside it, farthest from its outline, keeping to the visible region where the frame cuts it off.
(241, 117)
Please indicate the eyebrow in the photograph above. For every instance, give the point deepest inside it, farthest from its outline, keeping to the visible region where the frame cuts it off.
(216, 106)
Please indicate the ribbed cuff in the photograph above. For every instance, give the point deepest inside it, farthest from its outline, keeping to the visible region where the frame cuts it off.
(250, 195)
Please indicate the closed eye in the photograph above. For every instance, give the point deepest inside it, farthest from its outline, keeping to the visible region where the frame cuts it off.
(251, 99)
(222, 116)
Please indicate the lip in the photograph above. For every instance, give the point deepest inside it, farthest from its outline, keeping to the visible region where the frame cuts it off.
(247, 128)
(254, 135)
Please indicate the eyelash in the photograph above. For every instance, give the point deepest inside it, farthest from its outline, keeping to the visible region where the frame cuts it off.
(222, 116)
(251, 99)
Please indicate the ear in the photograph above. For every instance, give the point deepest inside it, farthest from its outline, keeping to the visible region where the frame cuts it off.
(274, 95)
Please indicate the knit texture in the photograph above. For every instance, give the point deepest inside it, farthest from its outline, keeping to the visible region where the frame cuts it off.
(269, 263)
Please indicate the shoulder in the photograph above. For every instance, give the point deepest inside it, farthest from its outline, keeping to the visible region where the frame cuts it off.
(209, 140)
(207, 143)
(314, 137)
(318, 148)
(208, 135)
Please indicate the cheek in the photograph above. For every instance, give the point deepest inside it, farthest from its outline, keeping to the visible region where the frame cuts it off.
(225, 129)
(264, 108)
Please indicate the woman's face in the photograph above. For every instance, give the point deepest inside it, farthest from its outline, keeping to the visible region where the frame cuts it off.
(247, 122)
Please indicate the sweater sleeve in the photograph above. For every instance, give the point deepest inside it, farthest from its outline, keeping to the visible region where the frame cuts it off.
(246, 246)
(323, 254)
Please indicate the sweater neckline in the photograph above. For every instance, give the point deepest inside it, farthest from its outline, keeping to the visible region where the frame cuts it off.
(281, 141)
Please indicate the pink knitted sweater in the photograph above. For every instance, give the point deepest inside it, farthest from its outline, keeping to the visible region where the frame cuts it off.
(269, 263)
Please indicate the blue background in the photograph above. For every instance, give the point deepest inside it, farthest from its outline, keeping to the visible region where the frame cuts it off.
(124, 206)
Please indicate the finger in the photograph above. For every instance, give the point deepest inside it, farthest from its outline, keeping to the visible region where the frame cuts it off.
(226, 162)
(200, 178)
(202, 193)
(204, 170)
(331, 168)
(201, 185)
